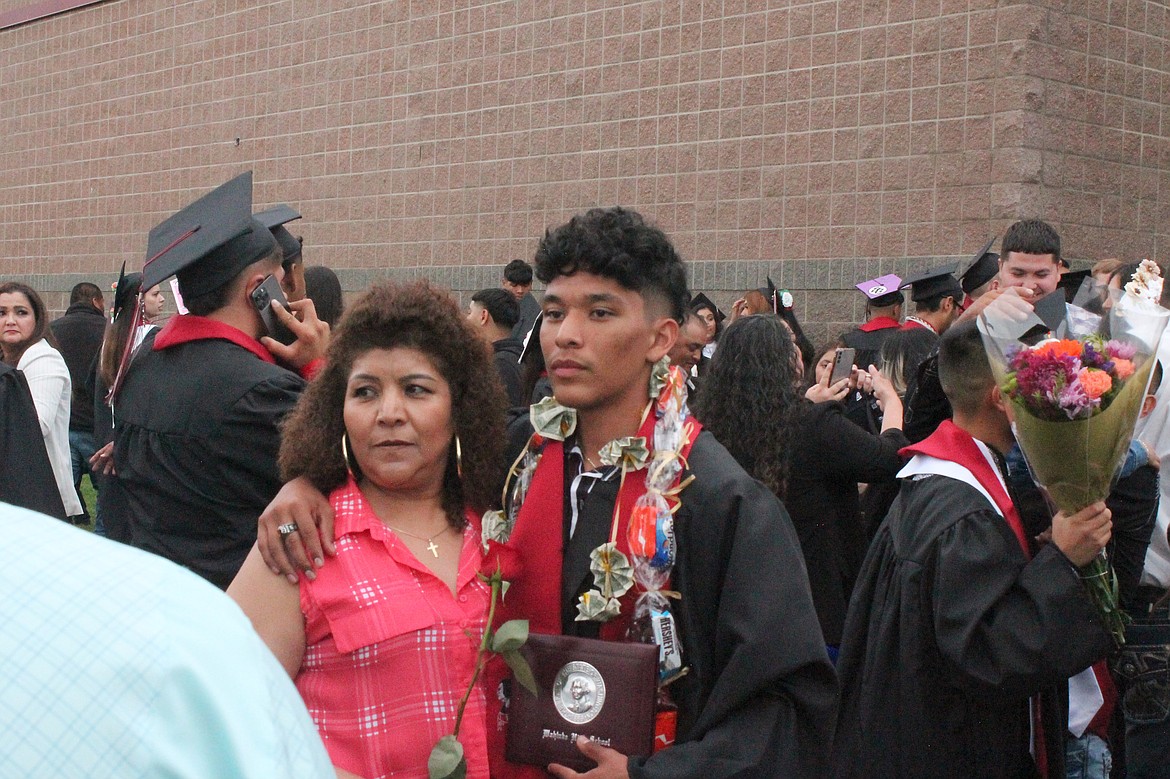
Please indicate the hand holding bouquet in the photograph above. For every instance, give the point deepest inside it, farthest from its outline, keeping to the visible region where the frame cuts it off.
(1075, 394)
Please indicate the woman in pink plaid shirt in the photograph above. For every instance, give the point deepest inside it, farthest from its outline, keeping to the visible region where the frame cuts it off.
(403, 429)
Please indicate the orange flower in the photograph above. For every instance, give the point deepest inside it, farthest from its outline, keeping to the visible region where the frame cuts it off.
(1124, 368)
(1095, 383)
(1061, 348)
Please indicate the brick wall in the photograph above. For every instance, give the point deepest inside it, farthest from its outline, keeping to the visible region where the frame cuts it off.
(819, 142)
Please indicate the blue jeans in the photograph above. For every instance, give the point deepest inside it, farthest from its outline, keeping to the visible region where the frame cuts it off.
(81, 448)
(1087, 757)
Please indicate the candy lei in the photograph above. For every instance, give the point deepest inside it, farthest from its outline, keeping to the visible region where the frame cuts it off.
(613, 573)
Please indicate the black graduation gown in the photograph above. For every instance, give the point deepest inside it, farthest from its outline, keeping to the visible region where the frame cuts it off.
(760, 697)
(830, 456)
(26, 475)
(195, 448)
(949, 632)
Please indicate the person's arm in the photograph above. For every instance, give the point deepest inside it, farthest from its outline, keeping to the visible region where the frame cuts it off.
(842, 449)
(48, 380)
(274, 607)
(298, 503)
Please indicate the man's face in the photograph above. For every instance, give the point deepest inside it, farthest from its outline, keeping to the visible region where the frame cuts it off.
(688, 349)
(293, 282)
(1038, 272)
(518, 290)
(478, 316)
(599, 340)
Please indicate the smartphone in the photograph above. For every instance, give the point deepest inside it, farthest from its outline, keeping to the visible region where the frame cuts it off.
(842, 365)
(264, 297)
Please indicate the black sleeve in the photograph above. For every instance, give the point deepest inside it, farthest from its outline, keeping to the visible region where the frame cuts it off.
(248, 442)
(846, 451)
(1005, 624)
(928, 406)
(1134, 505)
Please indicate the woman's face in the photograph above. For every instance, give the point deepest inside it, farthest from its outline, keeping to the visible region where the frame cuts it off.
(17, 320)
(153, 303)
(708, 318)
(398, 416)
(825, 365)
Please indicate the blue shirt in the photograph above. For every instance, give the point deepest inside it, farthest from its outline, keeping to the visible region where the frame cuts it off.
(118, 663)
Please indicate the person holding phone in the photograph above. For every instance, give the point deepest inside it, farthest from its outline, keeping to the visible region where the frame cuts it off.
(197, 410)
(806, 452)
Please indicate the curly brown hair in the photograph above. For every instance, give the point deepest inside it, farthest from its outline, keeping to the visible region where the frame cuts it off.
(414, 316)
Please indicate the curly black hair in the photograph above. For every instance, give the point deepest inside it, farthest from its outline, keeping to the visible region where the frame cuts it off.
(751, 397)
(415, 316)
(616, 243)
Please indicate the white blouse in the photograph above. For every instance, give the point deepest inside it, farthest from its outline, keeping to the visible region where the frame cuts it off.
(48, 380)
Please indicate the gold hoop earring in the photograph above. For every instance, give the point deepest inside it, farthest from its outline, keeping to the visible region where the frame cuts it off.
(458, 457)
(345, 454)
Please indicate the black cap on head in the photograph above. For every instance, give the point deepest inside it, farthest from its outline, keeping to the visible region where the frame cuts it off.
(771, 295)
(125, 290)
(933, 283)
(702, 301)
(274, 219)
(980, 269)
(209, 242)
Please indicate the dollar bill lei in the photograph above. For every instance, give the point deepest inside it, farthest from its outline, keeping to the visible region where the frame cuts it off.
(612, 571)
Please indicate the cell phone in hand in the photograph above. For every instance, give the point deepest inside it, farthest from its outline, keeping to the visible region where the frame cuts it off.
(842, 365)
(264, 297)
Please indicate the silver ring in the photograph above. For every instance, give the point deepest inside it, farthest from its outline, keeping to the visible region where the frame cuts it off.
(287, 529)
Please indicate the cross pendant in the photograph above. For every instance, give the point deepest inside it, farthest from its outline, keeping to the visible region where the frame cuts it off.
(433, 548)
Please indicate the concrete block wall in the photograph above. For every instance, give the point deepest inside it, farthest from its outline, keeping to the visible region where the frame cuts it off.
(819, 142)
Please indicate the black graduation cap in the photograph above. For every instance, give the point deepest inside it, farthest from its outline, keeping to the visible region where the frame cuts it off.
(1052, 309)
(1071, 282)
(772, 295)
(702, 301)
(275, 219)
(882, 291)
(934, 282)
(209, 242)
(125, 291)
(980, 269)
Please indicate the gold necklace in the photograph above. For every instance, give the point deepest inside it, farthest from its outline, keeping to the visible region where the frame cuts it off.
(432, 547)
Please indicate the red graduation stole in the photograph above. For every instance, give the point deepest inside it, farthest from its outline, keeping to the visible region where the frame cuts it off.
(953, 444)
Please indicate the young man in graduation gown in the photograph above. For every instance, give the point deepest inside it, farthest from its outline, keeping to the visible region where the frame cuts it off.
(760, 696)
(196, 418)
(961, 635)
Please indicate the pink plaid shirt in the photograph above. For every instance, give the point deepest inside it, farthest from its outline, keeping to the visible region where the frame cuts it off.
(390, 650)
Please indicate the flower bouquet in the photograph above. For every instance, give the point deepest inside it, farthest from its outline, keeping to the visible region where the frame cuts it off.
(1075, 382)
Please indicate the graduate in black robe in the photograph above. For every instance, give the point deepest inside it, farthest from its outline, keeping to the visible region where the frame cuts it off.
(760, 697)
(959, 642)
(197, 416)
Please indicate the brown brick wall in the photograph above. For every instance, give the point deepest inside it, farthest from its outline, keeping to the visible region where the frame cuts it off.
(821, 142)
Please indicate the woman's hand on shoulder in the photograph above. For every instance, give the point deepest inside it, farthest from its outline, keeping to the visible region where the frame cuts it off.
(301, 504)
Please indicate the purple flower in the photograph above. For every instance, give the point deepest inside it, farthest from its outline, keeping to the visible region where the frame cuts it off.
(1121, 350)
(1075, 402)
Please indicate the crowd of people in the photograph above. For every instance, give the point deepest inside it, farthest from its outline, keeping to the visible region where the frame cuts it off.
(864, 580)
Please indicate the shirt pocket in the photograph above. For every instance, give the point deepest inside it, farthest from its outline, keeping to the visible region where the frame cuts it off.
(356, 626)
